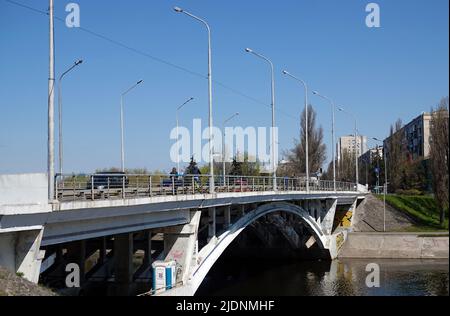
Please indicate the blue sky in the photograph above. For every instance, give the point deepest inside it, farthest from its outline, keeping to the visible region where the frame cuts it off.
(396, 71)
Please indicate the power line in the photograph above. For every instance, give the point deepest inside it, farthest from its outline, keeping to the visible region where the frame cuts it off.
(154, 58)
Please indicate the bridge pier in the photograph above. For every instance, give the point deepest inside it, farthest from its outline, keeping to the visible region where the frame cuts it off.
(20, 253)
(212, 233)
(148, 259)
(103, 249)
(242, 210)
(328, 221)
(227, 217)
(180, 245)
(76, 253)
(123, 264)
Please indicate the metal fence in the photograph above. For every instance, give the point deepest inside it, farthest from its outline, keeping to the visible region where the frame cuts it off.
(121, 186)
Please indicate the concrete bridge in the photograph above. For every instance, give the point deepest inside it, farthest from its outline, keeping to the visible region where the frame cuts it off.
(101, 225)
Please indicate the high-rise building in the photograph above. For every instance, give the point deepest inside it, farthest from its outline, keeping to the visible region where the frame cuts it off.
(372, 154)
(347, 143)
(414, 140)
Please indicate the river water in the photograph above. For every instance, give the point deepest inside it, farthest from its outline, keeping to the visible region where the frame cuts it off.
(231, 277)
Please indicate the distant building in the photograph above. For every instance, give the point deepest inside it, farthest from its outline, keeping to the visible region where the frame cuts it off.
(415, 138)
(348, 143)
(371, 155)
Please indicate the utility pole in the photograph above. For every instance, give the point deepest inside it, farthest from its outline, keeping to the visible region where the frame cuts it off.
(386, 181)
(51, 110)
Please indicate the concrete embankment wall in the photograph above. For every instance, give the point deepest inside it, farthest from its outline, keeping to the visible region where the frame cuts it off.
(396, 246)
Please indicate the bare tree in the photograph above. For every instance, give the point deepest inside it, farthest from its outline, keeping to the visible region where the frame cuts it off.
(317, 149)
(439, 152)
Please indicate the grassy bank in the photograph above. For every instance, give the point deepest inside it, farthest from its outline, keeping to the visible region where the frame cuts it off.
(422, 209)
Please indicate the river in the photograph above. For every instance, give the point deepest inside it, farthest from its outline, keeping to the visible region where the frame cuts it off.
(231, 277)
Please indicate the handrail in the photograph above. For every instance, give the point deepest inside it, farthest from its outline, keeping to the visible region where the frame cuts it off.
(105, 186)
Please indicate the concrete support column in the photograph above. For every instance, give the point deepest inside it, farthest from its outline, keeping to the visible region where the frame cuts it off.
(20, 253)
(76, 253)
(123, 263)
(353, 210)
(148, 260)
(227, 217)
(328, 221)
(243, 210)
(181, 245)
(59, 254)
(103, 250)
(212, 223)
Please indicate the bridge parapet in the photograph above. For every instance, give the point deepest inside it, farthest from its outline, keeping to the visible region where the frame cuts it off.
(123, 186)
(25, 192)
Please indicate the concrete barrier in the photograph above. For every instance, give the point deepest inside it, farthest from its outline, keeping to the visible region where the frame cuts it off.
(396, 246)
(23, 193)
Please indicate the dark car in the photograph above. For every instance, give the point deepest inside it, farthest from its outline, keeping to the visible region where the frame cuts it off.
(169, 183)
(108, 180)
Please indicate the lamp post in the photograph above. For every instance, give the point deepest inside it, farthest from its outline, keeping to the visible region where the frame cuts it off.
(386, 183)
(178, 129)
(210, 93)
(224, 167)
(60, 140)
(248, 50)
(122, 123)
(356, 143)
(333, 134)
(307, 124)
(51, 108)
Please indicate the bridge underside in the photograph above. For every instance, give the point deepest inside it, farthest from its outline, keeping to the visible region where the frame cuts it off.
(310, 229)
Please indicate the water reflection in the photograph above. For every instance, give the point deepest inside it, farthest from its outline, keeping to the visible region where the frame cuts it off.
(317, 278)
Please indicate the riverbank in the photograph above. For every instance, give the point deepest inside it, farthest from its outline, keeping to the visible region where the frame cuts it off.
(13, 285)
(396, 246)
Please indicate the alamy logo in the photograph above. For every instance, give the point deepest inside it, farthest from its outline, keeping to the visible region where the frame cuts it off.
(373, 280)
(73, 18)
(255, 142)
(373, 19)
(73, 278)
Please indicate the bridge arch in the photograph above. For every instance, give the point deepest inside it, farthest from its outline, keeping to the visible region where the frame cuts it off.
(212, 252)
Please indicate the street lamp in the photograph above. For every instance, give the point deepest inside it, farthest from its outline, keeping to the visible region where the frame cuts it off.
(210, 92)
(248, 50)
(60, 140)
(178, 126)
(307, 124)
(386, 183)
(121, 122)
(224, 147)
(356, 143)
(333, 134)
(51, 107)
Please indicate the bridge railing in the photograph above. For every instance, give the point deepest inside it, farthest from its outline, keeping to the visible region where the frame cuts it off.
(128, 186)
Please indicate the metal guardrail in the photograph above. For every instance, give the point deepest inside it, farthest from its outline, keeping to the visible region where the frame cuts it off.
(119, 186)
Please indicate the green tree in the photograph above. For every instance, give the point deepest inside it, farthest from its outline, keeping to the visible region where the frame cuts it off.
(439, 152)
(395, 155)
